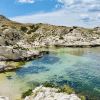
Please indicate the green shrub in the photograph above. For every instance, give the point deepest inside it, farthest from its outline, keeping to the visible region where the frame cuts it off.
(47, 84)
(27, 93)
(23, 28)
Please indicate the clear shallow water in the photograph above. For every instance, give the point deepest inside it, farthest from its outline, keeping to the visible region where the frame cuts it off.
(79, 68)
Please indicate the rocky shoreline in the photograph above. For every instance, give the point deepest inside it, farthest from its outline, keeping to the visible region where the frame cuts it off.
(18, 41)
(13, 64)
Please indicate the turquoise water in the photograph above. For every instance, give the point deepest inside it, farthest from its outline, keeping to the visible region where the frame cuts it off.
(79, 68)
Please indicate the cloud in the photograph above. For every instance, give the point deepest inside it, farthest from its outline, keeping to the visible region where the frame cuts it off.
(89, 8)
(81, 5)
(60, 17)
(84, 13)
(94, 8)
(85, 17)
(69, 2)
(26, 1)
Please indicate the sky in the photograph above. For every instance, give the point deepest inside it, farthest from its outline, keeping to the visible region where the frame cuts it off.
(85, 13)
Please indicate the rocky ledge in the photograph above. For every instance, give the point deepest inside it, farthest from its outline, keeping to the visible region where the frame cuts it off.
(47, 93)
(10, 61)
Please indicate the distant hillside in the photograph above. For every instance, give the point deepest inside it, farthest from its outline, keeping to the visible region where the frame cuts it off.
(46, 34)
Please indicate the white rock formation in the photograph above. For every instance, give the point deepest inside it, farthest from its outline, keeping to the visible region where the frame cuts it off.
(46, 93)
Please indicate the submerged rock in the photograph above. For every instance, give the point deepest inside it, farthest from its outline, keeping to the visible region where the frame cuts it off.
(47, 93)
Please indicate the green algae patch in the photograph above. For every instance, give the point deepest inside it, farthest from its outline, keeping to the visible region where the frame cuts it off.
(15, 64)
(11, 65)
(66, 89)
(82, 97)
(48, 84)
(8, 66)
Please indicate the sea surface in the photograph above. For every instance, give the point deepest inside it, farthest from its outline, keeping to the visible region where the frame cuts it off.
(77, 67)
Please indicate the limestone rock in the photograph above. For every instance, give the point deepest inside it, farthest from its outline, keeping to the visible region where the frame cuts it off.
(46, 93)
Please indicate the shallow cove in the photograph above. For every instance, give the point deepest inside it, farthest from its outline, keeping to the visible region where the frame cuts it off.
(77, 67)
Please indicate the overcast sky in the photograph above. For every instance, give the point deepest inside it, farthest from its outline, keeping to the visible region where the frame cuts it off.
(84, 13)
